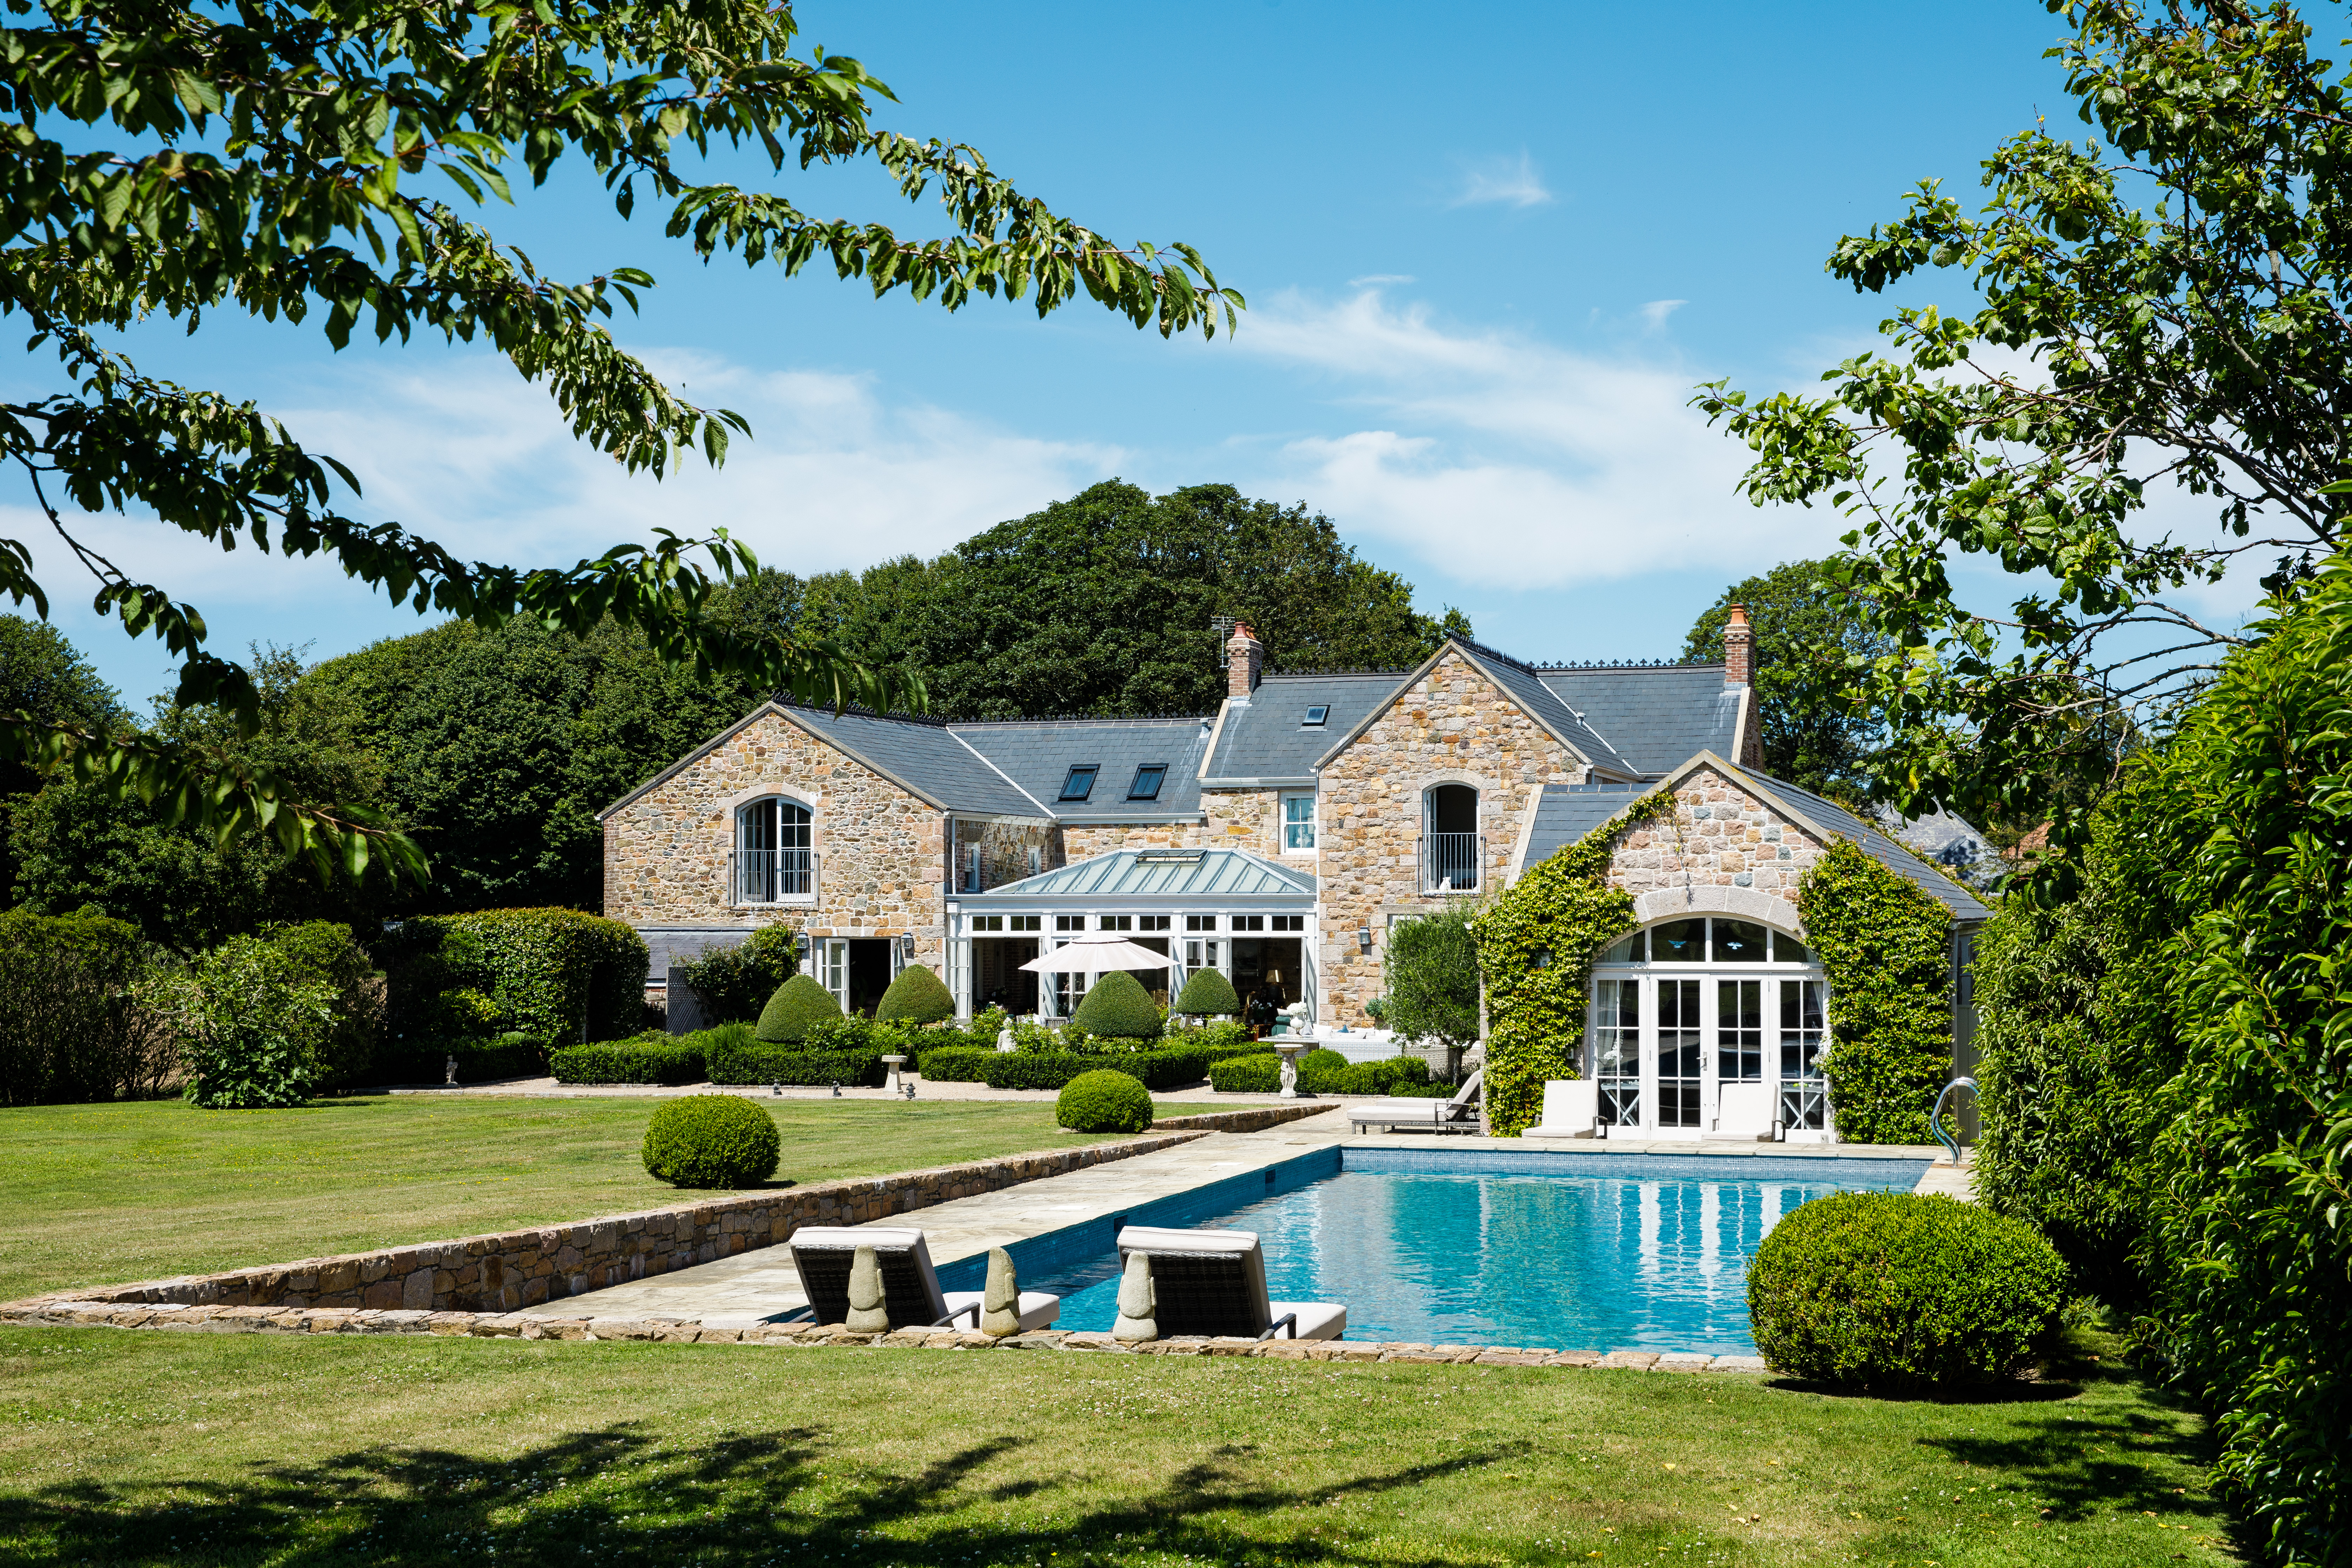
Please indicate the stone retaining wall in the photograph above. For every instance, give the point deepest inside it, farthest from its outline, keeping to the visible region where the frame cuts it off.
(86, 1313)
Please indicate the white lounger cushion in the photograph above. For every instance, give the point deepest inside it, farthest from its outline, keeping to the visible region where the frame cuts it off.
(1316, 1320)
(895, 1242)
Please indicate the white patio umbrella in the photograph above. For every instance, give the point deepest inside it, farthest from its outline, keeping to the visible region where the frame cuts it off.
(1098, 955)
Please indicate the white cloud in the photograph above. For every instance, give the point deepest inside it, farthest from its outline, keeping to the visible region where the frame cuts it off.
(1510, 463)
(1654, 313)
(836, 474)
(1502, 181)
(1374, 280)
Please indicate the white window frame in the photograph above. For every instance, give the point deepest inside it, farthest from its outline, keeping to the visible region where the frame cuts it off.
(1786, 1093)
(1288, 827)
(777, 801)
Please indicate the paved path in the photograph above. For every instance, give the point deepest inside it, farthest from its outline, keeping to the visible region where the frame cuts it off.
(762, 1283)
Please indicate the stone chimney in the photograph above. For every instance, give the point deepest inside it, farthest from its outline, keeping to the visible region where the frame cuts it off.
(1244, 663)
(1738, 643)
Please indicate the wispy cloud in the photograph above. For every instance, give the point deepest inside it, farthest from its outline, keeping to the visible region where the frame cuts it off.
(1502, 181)
(1654, 313)
(1375, 279)
(1506, 462)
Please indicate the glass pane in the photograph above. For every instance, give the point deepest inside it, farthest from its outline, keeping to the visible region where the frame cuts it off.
(1786, 949)
(1679, 941)
(1740, 1031)
(1738, 942)
(1679, 1044)
(1629, 951)
(1617, 1051)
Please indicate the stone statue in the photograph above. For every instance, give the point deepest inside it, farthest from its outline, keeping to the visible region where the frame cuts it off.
(999, 1303)
(1005, 1037)
(1139, 1304)
(869, 1312)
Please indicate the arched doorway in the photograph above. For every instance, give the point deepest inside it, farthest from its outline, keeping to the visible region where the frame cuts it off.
(1453, 852)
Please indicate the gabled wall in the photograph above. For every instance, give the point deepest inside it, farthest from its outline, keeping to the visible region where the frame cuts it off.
(882, 856)
(1452, 725)
(1724, 850)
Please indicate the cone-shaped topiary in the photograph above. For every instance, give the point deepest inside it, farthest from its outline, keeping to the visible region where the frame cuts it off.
(1207, 994)
(1120, 1008)
(713, 1141)
(915, 997)
(797, 1004)
(1104, 1102)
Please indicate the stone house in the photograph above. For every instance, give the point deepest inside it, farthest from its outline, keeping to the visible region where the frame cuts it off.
(1278, 840)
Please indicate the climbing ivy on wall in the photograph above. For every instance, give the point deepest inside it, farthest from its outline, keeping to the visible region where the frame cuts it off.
(1885, 944)
(1537, 942)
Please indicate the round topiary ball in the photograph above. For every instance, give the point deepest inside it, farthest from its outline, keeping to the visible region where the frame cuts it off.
(1120, 1008)
(1207, 994)
(916, 996)
(1896, 1291)
(713, 1141)
(798, 1002)
(1104, 1102)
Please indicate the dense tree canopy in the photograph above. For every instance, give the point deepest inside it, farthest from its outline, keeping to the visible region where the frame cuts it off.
(1102, 604)
(42, 676)
(1808, 658)
(178, 161)
(2170, 307)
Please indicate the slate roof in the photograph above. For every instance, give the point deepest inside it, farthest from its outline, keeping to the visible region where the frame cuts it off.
(925, 757)
(1541, 702)
(1876, 844)
(1157, 874)
(1268, 739)
(1657, 716)
(1039, 753)
(1569, 812)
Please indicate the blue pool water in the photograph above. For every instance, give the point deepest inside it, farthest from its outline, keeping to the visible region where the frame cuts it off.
(1570, 1251)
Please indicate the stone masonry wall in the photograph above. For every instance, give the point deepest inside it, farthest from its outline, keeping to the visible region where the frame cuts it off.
(1004, 849)
(1454, 725)
(882, 866)
(1079, 843)
(1720, 836)
(523, 1269)
(1247, 819)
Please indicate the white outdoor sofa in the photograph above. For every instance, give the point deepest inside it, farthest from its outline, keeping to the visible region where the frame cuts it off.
(822, 1255)
(1459, 1114)
(1213, 1282)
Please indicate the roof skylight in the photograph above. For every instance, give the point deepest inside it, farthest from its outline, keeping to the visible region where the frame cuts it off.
(1147, 782)
(1081, 782)
(1316, 716)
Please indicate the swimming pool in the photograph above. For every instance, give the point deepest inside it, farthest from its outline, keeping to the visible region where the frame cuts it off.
(1566, 1250)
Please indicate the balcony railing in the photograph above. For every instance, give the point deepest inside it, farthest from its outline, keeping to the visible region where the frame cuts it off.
(771, 875)
(1451, 862)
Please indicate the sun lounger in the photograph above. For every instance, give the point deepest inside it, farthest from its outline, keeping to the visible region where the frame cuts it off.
(1213, 1282)
(910, 1286)
(1459, 1114)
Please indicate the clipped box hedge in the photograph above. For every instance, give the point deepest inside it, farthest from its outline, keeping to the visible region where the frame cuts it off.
(1054, 1070)
(790, 1064)
(1258, 1073)
(956, 1064)
(667, 1062)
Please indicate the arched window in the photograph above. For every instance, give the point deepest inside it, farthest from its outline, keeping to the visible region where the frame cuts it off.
(773, 859)
(1711, 1024)
(1453, 852)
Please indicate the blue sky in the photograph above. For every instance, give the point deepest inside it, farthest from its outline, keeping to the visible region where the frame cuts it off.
(1488, 251)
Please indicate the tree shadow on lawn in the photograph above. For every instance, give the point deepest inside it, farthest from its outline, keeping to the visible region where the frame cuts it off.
(617, 1495)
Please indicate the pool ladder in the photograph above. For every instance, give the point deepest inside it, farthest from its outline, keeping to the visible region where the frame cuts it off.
(1935, 1116)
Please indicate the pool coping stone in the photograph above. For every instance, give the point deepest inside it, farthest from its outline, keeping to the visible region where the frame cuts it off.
(174, 1318)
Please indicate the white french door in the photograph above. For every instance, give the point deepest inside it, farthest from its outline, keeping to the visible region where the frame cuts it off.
(1675, 1056)
(833, 969)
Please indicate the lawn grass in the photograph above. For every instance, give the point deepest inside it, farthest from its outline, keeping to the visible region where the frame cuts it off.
(94, 1194)
(133, 1448)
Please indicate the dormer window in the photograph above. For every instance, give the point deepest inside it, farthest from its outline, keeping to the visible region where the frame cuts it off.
(1081, 782)
(1147, 782)
(1316, 715)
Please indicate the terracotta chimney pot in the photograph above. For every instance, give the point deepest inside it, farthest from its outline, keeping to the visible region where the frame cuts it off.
(1244, 664)
(1738, 645)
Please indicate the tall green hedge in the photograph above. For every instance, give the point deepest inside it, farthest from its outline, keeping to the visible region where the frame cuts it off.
(1537, 942)
(555, 974)
(1885, 945)
(69, 1029)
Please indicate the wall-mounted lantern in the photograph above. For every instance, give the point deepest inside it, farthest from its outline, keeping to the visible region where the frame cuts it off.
(1542, 959)
(906, 949)
(1364, 938)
